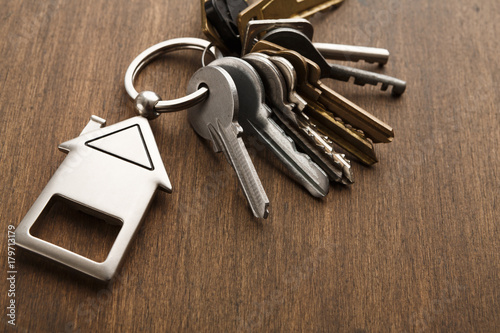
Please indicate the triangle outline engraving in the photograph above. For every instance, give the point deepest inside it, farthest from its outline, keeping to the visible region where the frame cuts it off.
(148, 167)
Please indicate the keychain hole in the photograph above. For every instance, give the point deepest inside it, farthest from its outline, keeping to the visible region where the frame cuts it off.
(77, 228)
(203, 85)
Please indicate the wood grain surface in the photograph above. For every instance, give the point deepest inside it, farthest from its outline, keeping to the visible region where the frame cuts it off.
(412, 246)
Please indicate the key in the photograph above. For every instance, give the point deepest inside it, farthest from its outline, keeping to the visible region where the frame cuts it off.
(351, 113)
(354, 115)
(222, 15)
(209, 30)
(216, 120)
(351, 140)
(255, 117)
(277, 9)
(297, 41)
(315, 145)
(353, 53)
(261, 27)
(329, 51)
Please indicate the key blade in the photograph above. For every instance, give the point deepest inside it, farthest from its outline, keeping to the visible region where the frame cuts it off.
(215, 119)
(353, 53)
(303, 169)
(346, 169)
(356, 116)
(336, 130)
(362, 77)
(313, 144)
(276, 9)
(237, 156)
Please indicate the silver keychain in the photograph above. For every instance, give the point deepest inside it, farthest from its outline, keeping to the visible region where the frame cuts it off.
(112, 172)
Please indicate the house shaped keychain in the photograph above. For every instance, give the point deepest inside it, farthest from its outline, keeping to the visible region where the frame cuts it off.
(112, 172)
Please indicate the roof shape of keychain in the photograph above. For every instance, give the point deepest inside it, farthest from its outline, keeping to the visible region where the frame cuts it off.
(118, 169)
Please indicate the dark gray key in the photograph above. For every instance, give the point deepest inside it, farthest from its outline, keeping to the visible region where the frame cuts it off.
(297, 41)
(254, 117)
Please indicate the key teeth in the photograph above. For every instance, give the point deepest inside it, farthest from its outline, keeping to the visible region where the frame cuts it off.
(303, 125)
(338, 159)
(349, 127)
(359, 81)
(314, 179)
(292, 143)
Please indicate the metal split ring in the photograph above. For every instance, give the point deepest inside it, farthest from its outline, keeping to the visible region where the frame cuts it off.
(148, 103)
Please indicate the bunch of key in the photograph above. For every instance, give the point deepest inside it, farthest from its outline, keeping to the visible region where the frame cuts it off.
(269, 86)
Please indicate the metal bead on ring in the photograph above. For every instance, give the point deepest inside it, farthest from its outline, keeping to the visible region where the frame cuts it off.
(145, 104)
(149, 104)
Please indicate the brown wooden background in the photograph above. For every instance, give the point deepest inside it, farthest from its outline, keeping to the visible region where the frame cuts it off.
(412, 246)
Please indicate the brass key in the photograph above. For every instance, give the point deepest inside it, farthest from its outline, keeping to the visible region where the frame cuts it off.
(375, 129)
(276, 9)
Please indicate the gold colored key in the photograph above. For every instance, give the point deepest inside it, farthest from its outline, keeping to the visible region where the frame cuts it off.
(374, 128)
(276, 9)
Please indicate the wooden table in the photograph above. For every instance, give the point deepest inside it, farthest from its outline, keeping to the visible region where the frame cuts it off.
(412, 246)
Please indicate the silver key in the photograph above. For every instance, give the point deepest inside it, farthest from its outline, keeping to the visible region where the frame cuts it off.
(297, 41)
(216, 120)
(353, 53)
(318, 147)
(329, 51)
(254, 117)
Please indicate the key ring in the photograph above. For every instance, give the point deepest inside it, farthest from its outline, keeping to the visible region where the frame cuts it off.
(148, 103)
